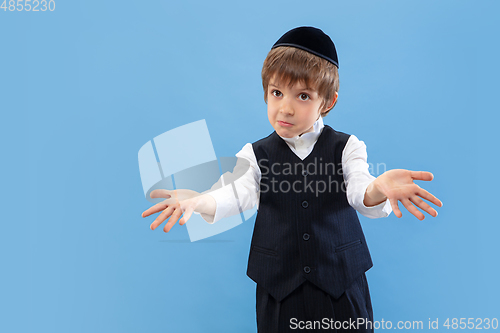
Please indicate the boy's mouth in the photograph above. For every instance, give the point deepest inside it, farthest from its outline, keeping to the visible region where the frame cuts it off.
(284, 123)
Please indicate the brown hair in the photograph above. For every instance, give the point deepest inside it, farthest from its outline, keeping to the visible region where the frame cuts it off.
(291, 65)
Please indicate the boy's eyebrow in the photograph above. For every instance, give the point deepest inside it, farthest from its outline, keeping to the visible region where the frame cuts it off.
(306, 88)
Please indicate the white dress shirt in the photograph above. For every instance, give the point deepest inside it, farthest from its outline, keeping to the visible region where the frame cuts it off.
(354, 167)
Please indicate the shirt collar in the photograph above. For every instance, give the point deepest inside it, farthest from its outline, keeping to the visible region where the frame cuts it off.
(308, 138)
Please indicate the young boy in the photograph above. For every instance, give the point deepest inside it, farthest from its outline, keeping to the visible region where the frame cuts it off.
(308, 253)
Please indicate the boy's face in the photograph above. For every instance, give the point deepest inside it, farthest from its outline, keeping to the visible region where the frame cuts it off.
(292, 110)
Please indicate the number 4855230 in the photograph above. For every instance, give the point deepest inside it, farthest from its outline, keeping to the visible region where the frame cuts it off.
(28, 5)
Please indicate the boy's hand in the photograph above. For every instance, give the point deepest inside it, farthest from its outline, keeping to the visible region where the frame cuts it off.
(397, 185)
(177, 202)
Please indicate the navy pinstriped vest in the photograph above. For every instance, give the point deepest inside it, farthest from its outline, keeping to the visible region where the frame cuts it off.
(305, 228)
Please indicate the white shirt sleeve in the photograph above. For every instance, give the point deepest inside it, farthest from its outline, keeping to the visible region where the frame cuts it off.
(357, 178)
(240, 189)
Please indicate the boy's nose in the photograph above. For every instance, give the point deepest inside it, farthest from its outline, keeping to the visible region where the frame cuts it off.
(286, 107)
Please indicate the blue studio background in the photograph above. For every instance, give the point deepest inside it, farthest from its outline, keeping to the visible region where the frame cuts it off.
(83, 87)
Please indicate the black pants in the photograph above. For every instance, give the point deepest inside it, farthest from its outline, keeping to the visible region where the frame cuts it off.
(310, 309)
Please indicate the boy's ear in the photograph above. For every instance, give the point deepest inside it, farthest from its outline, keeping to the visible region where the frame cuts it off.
(333, 101)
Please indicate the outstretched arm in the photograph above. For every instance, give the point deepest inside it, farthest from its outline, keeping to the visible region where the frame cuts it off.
(397, 185)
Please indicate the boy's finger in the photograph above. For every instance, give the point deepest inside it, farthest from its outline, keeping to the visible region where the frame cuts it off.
(173, 219)
(429, 197)
(422, 175)
(162, 217)
(423, 205)
(412, 209)
(395, 207)
(187, 215)
(160, 193)
(156, 208)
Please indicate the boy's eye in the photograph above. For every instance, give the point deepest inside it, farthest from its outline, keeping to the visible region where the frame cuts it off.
(304, 97)
(276, 93)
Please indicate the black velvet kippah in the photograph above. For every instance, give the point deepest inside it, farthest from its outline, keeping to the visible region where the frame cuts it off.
(312, 40)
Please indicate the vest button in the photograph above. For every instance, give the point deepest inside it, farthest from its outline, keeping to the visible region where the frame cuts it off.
(307, 269)
(304, 172)
(305, 236)
(305, 204)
